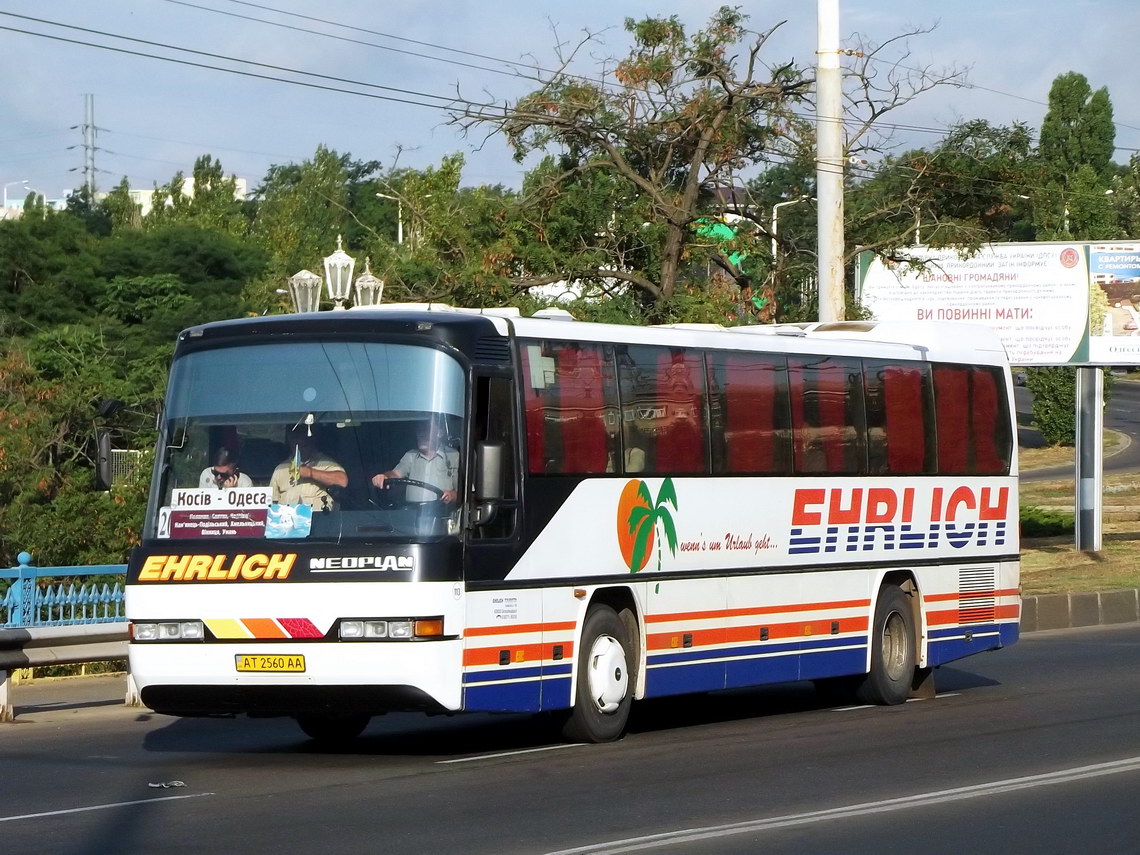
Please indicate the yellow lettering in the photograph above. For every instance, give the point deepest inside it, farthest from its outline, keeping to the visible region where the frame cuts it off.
(152, 568)
(216, 571)
(254, 566)
(235, 567)
(175, 566)
(199, 567)
(280, 565)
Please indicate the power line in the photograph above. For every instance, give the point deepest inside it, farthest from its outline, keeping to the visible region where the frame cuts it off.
(355, 41)
(332, 78)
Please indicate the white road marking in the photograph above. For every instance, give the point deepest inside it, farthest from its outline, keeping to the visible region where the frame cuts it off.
(100, 807)
(938, 697)
(689, 835)
(506, 754)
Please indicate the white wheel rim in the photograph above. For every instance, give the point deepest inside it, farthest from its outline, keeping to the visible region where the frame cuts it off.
(607, 675)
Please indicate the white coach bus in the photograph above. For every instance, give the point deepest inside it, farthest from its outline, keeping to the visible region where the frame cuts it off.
(629, 513)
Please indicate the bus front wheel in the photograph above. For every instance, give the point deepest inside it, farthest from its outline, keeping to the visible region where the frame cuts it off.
(892, 650)
(603, 694)
(333, 729)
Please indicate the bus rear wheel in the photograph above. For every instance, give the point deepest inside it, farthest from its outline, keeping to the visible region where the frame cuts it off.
(603, 694)
(333, 729)
(893, 655)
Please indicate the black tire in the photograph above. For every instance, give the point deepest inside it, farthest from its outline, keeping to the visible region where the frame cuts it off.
(333, 729)
(604, 693)
(893, 652)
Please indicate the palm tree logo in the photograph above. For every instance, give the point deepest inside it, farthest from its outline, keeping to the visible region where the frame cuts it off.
(639, 516)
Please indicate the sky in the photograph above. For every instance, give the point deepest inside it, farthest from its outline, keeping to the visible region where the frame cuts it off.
(155, 117)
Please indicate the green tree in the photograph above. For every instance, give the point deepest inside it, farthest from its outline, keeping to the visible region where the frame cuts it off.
(1078, 130)
(679, 117)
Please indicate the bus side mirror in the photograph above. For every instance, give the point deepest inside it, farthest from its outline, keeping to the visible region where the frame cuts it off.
(103, 458)
(489, 471)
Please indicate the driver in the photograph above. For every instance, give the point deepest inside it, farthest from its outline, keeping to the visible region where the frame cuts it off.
(431, 462)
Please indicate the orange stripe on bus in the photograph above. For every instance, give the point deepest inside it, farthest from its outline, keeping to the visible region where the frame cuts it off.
(742, 634)
(533, 654)
(759, 610)
(950, 617)
(264, 628)
(969, 595)
(511, 629)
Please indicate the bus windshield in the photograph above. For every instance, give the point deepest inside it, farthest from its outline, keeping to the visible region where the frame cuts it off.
(311, 440)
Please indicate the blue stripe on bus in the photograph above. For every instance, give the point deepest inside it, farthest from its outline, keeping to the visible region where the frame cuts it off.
(516, 673)
(950, 643)
(505, 697)
(501, 674)
(798, 646)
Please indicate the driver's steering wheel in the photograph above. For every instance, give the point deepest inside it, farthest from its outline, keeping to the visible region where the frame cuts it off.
(387, 502)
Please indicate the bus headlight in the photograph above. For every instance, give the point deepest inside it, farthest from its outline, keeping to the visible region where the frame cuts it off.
(375, 629)
(182, 630)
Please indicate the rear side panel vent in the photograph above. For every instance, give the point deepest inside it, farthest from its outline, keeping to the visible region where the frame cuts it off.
(493, 348)
(976, 587)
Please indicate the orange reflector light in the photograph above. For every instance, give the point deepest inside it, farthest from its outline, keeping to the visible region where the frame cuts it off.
(429, 628)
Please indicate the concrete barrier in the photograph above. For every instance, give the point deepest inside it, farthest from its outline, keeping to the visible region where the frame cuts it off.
(1064, 611)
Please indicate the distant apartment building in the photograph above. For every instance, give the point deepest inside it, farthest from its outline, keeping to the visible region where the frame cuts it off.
(145, 198)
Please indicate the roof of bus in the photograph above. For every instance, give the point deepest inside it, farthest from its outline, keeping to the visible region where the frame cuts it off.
(937, 341)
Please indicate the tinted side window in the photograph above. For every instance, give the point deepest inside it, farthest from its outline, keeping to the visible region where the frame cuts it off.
(664, 421)
(974, 432)
(570, 401)
(827, 414)
(748, 405)
(990, 430)
(900, 418)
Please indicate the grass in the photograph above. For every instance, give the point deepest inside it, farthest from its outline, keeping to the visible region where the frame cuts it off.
(1052, 565)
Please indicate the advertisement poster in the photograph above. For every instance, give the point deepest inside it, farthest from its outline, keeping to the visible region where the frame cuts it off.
(1034, 295)
(1115, 268)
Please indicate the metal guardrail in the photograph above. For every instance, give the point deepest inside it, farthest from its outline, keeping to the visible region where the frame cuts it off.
(52, 616)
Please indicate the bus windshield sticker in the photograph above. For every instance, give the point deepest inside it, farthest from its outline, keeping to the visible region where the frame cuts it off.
(288, 521)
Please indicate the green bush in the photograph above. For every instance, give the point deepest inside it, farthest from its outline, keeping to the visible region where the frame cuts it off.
(1038, 522)
(1055, 402)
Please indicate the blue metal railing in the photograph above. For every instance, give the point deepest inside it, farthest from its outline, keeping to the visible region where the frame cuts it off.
(55, 596)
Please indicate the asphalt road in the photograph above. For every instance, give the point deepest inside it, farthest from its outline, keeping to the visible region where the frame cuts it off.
(1033, 749)
(1122, 414)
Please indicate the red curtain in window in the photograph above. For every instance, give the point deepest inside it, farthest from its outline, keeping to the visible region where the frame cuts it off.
(832, 392)
(680, 389)
(905, 417)
(581, 409)
(749, 432)
(983, 427)
(952, 396)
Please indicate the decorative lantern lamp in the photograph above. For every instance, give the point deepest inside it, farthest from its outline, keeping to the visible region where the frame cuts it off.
(305, 289)
(338, 275)
(368, 288)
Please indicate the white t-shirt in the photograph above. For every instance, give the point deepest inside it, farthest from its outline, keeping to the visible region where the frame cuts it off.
(440, 471)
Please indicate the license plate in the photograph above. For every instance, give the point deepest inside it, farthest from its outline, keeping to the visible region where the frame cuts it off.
(274, 664)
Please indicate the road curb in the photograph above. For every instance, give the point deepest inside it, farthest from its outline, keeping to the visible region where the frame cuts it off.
(1066, 611)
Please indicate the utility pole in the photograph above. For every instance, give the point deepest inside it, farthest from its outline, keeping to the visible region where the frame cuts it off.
(89, 145)
(829, 164)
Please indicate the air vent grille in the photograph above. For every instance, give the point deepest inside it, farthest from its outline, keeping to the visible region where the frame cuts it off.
(494, 348)
(976, 586)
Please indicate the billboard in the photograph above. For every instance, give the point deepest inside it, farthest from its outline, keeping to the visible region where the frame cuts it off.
(1036, 296)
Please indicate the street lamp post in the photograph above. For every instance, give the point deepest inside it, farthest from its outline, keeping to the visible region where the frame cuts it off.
(775, 222)
(338, 275)
(399, 215)
(305, 289)
(368, 288)
(23, 181)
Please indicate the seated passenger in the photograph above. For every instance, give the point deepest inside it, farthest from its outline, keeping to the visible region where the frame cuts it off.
(305, 476)
(430, 462)
(225, 472)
